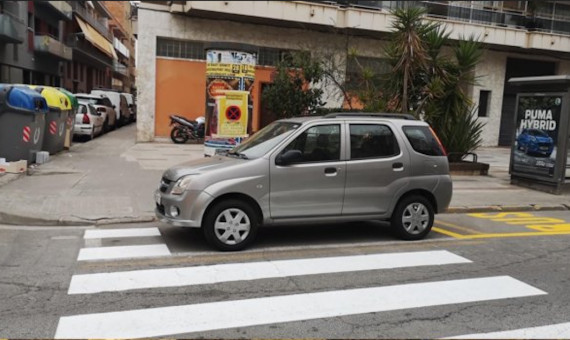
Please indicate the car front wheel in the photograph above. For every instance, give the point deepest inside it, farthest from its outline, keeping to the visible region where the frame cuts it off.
(230, 225)
(413, 218)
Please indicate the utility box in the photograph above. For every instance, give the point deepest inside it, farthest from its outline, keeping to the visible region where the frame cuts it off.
(539, 148)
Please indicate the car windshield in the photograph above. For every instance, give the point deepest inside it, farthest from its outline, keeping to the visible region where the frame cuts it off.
(539, 133)
(264, 140)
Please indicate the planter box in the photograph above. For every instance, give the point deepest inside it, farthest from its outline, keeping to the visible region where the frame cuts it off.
(469, 168)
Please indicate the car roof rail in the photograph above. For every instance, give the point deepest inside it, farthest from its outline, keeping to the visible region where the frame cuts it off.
(406, 116)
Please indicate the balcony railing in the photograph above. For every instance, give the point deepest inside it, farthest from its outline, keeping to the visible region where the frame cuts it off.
(553, 20)
(62, 8)
(87, 50)
(11, 30)
(97, 24)
(49, 45)
(120, 68)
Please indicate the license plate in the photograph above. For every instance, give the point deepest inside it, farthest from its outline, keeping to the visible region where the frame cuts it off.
(157, 198)
(544, 148)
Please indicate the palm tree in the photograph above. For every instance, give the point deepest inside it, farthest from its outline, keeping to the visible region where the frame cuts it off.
(407, 53)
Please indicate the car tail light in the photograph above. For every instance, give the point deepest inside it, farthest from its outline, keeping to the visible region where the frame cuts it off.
(438, 141)
(86, 119)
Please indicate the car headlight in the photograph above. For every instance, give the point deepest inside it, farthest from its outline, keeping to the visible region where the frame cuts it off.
(181, 185)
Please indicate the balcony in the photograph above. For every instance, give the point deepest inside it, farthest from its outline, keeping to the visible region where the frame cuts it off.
(91, 20)
(60, 8)
(48, 45)
(9, 30)
(85, 51)
(120, 68)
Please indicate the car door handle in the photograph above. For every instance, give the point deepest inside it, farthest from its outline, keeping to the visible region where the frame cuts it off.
(398, 166)
(330, 171)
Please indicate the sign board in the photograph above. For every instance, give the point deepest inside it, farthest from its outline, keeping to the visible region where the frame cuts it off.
(229, 80)
(536, 144)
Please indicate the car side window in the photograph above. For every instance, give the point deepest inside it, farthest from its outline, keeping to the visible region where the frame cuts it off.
(318, 144)
(82, 109)
(372, 141)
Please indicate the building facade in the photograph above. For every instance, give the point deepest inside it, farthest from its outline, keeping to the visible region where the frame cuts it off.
(78, 45)
(521, 38)
(121, 25)
(32, 46)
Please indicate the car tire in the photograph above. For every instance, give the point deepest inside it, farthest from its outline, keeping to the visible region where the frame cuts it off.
(413, 218)
(230, 225)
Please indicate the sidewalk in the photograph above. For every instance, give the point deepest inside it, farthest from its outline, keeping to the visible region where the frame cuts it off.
(111, 180)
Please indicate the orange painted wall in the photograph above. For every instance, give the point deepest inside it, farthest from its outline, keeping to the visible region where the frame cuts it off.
(180, 89)
(262, 75)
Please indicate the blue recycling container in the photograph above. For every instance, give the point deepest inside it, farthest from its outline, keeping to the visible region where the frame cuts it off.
(22, 123)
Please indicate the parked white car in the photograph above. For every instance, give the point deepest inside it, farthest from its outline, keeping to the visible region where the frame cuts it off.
(103, 105)
(132, 105)
(119, 104)
(88, 122)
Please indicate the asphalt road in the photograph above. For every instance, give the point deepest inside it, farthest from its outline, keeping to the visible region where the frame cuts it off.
(474, 274)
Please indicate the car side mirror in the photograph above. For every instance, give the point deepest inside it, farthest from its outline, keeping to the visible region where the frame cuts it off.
(114, 106)
(289, 157)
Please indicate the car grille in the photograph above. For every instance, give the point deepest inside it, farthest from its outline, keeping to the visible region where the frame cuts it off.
(546, 145)
(164, 184)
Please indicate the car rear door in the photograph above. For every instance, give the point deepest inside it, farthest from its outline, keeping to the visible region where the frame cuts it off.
(313, 186)
(377, 168)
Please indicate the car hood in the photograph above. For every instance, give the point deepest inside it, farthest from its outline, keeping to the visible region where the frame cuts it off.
(200, 166)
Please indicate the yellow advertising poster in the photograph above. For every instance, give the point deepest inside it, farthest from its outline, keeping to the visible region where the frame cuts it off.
(232, 114)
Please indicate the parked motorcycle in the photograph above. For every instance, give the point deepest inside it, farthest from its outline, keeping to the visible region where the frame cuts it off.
(184, 130)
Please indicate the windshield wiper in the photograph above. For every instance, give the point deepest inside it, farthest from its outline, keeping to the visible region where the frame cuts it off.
(238, 154)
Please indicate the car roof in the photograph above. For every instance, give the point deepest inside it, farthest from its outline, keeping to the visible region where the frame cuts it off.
(87, 95)
(362, 117)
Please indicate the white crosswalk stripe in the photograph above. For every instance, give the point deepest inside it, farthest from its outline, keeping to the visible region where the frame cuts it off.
(557, 331)
(275, 308)
(118, 233)
(205, 317)
(122, 252)
(174, 277)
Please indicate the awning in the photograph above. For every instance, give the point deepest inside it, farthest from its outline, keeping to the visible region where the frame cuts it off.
(96, 38)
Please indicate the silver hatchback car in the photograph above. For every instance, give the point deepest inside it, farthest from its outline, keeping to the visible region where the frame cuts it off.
(333, 168)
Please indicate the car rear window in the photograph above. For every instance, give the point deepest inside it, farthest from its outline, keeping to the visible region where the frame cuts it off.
(423, 141)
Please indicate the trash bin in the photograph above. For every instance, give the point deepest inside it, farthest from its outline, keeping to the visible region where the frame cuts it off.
(70, 117)
(56, 118)
(22, 123)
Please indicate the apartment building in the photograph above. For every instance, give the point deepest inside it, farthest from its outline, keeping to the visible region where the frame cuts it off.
(32, 48)
(121, 25)
(521, 38)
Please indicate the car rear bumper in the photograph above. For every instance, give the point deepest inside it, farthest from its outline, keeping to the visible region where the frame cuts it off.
(83, 129)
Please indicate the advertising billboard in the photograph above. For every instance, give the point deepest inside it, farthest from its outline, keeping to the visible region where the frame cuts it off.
(536, 136)
(229, 80)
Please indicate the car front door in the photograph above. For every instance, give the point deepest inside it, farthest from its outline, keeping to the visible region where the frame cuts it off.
(313, 184)
(377, 169)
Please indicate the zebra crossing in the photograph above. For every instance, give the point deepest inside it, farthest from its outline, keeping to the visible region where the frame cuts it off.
(265, 310)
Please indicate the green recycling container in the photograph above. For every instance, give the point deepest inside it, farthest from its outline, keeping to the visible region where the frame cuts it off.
(70, 117)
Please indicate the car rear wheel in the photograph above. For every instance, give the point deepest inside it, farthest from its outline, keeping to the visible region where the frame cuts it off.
(230, 225)
(413, 218)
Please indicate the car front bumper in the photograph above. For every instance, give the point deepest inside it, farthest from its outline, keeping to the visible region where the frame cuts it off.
(191, 206)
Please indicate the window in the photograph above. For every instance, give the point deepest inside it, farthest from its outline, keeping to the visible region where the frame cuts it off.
(484, 99)
(372, 141)
(423, 141)
(318, 144)
(183, 49)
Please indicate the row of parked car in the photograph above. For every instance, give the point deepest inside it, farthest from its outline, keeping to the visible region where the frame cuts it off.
(103, 110)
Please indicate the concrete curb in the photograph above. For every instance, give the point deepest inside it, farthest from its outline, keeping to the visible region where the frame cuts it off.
(14, 219)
